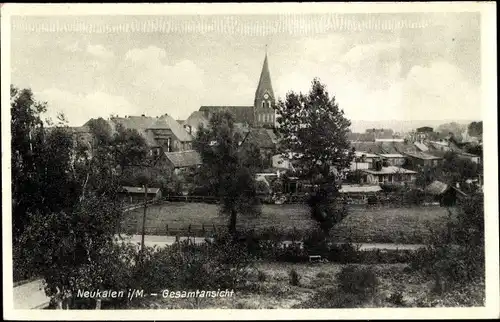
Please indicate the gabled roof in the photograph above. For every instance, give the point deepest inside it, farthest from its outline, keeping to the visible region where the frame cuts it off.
(184, 159)
(241, 114)
(389, 170)
(261, 137)
(358, 188)
(195, 119)
(421, 147)
(144, 123)
(361, 137)
(140, 190)
(392, 155)
(436, 188)
(422, 156)
(359, 154)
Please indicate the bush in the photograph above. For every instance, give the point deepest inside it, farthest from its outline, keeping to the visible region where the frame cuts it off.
(396, 298)
(261, 276)
(357, 280)
(333, 298)
(294, 277)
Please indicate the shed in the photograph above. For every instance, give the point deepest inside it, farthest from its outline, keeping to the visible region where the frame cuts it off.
(441, 192)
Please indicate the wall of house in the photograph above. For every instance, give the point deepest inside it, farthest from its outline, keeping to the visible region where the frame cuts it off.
(390, 178)
(396, 161)
(360, 166)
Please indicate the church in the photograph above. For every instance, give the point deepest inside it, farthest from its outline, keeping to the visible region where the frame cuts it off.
(259, 115)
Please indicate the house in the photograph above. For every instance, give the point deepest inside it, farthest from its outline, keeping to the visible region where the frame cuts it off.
(358, 194)
(194, 121)
(162, 133)
(261, 114)
(363, 160)
(469, 156)
(418, 160)
(359, 189)
(421, 147)
(133, 195)
(395, 159)
(265, 140)
(182, 160)
(281, 162)
(390, 174)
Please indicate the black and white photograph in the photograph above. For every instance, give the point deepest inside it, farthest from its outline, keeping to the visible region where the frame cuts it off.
(237, 161)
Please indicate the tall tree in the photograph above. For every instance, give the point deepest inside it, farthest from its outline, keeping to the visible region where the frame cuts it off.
(475, 129)
(66, 210)
(231, 176)
(130, 147)
(314, 132)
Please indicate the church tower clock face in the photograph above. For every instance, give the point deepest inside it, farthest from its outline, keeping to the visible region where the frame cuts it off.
(266, 96)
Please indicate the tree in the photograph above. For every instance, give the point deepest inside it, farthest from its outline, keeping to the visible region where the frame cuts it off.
(130, 147)
(230, 176)
(313, 130)
(452, 128)
(66, 209)
(475, 129)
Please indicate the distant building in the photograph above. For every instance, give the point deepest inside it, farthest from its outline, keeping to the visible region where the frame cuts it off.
(417, 160)
(194, 121)
(443, 193)
(265, 140)
(182, 160)
(469, 156)
(390, 174)
(162, 133)
(425, 129)
(134, 195)
(363, 160)
(395, 159)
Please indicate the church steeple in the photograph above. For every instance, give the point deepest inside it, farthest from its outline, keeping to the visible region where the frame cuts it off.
(264, 95)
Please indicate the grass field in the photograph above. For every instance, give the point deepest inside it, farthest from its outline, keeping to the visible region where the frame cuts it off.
(362, 225)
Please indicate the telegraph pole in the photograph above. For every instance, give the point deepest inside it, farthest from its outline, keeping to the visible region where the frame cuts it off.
(144, 219)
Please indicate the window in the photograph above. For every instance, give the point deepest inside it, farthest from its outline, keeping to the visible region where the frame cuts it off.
(263, 104)
(169, 145)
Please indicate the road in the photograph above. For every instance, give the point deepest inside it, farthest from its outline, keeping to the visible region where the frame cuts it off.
(30, 295)
(161, 241)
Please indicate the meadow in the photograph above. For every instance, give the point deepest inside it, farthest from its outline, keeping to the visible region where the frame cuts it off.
(410, 225)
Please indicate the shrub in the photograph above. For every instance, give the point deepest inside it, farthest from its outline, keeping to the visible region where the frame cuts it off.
(357, 280)
(261, 276)
(294, 277)
(396, 298)
(332, 297)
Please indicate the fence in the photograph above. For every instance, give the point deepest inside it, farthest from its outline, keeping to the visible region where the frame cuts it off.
(192, 230)
(167, 228)
(291, 199)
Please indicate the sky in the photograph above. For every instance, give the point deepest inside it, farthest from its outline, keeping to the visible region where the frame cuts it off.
(431, 71)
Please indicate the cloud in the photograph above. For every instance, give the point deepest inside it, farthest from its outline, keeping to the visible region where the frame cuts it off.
(369, 84)
(176, 89)
(78, 107)
(99, 51)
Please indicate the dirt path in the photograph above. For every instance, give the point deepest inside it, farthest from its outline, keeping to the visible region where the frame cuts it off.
(161, 241)
(30, 295)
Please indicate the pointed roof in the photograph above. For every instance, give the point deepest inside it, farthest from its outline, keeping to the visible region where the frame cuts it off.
(264, 82)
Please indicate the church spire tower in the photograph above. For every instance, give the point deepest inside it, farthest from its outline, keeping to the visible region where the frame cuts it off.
(264, 95)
